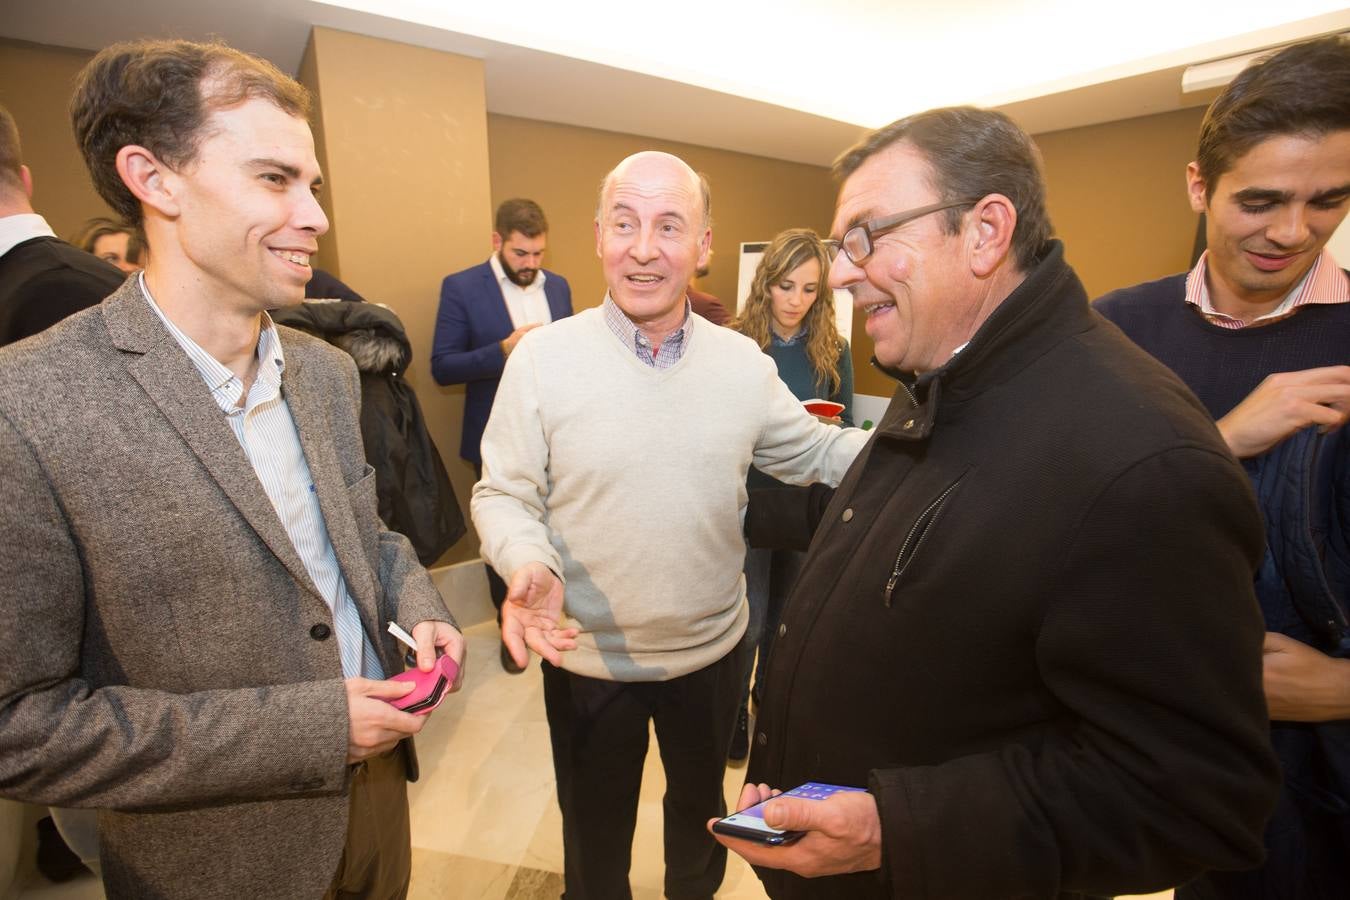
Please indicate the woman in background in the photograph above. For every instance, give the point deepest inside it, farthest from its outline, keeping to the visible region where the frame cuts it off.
(112, 242)
(790, 314)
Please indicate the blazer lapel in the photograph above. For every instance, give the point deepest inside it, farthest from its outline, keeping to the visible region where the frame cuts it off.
(497, 310)
(174, 385)
(306, 398)
(556, 307)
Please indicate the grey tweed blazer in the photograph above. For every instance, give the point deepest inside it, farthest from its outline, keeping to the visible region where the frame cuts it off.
(159, 655)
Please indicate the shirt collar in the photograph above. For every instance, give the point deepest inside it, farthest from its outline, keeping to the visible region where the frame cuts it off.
(672, 347)
(224, 385)
(16, 229)
(779, 341)
(1323, 283)
(504, 282)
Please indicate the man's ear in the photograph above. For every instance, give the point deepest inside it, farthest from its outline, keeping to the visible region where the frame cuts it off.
(148, 179)
(598, 254)
(26, 178)
(991, 225)
(497, 242)
(1196, 188)
(704, 249)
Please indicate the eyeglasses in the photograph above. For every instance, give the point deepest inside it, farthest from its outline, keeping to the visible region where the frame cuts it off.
(857, 241)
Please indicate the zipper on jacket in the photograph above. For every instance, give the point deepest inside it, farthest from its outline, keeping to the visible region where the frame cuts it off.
(914, 540)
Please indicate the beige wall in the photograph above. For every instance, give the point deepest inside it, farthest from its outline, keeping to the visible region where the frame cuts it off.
(403, 133)
(36, 82)
(560, 167)
(1118, 198)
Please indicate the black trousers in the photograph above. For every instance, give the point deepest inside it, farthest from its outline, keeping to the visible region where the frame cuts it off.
(496, 586)
(599, 733)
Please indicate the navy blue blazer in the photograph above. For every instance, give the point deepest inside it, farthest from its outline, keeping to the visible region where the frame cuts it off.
(466, 349)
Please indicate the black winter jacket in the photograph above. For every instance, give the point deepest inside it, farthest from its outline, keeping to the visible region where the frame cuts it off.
(415, 494)
(1026, 624)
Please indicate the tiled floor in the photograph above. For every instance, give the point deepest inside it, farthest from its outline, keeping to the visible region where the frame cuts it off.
(485, 825)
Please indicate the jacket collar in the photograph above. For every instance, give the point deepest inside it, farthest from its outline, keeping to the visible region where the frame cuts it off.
(1049, 306)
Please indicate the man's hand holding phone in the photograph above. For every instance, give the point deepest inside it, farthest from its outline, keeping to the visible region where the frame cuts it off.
(840, 833)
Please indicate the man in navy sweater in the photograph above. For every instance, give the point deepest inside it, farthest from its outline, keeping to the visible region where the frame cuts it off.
(1260, 330)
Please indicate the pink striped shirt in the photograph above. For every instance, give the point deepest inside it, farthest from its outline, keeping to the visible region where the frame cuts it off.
(1324, 283)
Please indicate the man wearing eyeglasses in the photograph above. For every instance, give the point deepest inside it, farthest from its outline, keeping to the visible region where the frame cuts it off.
(1007, 629)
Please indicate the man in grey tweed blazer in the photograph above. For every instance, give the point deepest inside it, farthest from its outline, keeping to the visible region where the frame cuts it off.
(196, 581)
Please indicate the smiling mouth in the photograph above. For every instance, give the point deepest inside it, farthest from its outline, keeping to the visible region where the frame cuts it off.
(1270, 262)
(872, 309)
(298, 257)
(643, 278)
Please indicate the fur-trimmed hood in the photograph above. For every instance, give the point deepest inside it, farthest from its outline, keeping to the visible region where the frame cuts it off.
(372, 334)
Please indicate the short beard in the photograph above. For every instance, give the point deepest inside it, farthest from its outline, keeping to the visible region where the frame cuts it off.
(516, 276)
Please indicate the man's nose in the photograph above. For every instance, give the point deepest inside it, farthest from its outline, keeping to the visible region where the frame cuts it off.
(643, 248)
(843, 272)
(309, 215)
(1290, 227)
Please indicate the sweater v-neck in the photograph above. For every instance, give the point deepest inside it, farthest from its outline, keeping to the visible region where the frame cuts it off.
(651, 372)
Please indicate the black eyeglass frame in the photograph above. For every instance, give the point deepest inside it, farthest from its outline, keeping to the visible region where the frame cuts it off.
(867, 231)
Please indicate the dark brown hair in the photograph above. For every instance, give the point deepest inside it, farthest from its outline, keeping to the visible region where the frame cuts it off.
(972, 153)
(159, 95)
(11, 153)
(1303, 89)
(520, 215)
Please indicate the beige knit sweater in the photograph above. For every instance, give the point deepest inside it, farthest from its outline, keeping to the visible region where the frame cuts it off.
(629, 481)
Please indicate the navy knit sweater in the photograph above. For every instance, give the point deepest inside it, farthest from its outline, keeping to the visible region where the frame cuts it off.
(1220, 365)
(794, 368)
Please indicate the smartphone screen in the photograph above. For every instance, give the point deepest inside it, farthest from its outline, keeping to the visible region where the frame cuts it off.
(749, 823)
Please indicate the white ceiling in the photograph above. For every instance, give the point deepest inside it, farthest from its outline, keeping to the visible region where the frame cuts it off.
(791, 79)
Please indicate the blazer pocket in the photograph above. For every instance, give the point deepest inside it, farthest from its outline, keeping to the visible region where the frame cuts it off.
(364, 484)
(365, 504)
(916, 537)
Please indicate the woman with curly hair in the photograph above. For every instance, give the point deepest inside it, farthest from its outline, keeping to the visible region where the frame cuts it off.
(790, 314)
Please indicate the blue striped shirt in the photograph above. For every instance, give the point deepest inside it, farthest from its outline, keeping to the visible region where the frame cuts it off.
(266, 431)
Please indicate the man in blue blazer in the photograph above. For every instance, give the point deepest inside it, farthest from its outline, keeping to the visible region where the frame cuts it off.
(483, 313)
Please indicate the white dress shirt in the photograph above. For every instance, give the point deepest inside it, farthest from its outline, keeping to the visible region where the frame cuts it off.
(14, 230)
(526, 305)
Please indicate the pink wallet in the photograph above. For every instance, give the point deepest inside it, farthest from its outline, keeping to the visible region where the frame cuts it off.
(430, 687)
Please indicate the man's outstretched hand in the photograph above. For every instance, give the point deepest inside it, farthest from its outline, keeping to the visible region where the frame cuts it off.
(532, 613)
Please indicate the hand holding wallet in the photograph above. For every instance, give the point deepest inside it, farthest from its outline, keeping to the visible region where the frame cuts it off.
(429, 688)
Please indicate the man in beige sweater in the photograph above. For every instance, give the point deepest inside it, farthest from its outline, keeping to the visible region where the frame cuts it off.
(614, 463)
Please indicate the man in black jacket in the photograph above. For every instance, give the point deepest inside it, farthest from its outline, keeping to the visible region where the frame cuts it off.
(42, 278)
(1026, 623)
